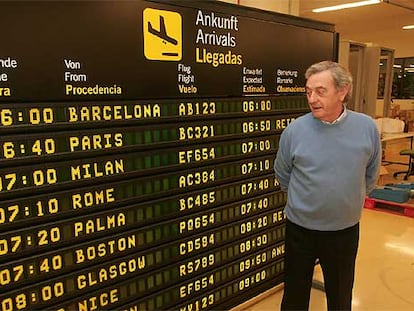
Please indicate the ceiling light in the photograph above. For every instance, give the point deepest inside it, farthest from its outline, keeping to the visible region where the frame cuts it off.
(408, 27)
(346, 6)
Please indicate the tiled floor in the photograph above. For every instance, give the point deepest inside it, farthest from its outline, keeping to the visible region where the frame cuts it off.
(385, 262)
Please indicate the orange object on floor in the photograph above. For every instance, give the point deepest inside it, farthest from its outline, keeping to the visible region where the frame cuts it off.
(403, 209)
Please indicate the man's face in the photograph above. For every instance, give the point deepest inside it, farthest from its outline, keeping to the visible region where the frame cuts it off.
(324, 100)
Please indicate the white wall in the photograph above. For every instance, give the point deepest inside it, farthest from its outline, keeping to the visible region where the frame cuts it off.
(283, 6)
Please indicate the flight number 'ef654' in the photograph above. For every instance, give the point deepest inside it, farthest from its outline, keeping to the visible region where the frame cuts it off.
(196, 155)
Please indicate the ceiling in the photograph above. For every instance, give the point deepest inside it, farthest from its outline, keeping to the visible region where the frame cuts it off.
(379, 23)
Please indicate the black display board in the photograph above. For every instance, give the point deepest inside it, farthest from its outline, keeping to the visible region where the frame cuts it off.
(136, 151)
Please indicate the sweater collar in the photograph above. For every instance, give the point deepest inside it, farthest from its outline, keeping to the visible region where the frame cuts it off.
(341, 117)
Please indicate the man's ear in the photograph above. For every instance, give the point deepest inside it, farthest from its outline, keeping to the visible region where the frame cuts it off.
(343, 92)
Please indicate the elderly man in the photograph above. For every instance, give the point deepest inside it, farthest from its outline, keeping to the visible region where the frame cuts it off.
(327, 161)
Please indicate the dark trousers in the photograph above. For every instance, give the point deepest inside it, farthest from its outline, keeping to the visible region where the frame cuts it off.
(336, 251)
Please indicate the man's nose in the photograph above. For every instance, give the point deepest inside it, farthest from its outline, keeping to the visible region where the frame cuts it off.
(312, 97)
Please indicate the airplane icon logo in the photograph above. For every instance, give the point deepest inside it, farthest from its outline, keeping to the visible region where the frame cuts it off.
(162, 35)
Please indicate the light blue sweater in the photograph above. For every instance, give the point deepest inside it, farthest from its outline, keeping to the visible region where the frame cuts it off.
(327, 169)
